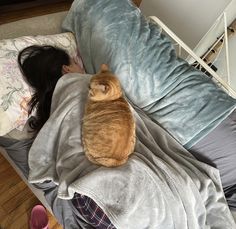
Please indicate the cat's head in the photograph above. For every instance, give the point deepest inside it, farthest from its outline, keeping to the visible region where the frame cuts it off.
(104, 86)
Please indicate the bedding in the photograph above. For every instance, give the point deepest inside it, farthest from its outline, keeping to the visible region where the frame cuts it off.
(218, 148)
(148, 191)
(182, 99)
(14, 92)
(63, 209)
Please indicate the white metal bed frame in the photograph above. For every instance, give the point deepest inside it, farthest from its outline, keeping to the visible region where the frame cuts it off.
(182, 45)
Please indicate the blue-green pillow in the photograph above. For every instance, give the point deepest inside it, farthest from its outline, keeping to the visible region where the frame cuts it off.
(182, 99)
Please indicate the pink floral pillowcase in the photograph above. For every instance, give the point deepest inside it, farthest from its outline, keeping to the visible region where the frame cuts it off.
(14, 92)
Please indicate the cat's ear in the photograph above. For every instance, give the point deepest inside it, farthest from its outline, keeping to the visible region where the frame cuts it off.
(104, 68)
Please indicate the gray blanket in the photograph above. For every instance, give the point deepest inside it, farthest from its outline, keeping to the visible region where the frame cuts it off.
(161, 186)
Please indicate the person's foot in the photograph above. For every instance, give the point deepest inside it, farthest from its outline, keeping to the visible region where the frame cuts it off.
(39, 218)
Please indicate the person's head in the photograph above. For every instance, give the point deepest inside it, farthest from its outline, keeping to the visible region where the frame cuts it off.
(42, 67)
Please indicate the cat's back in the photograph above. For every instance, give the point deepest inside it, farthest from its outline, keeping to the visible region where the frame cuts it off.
(109, 129)
(112, 112)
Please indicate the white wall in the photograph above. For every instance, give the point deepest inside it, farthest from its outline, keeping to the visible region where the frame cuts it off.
(189, 19)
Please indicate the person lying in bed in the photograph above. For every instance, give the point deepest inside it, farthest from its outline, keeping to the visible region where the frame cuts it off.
(42, 67)
(35, 63)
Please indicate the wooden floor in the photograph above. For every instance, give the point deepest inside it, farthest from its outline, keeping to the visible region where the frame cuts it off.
(16, 200)
(14, 15)
(137, 2)
(6, 17)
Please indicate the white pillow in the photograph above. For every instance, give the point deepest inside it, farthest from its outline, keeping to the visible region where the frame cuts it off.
(14, 92)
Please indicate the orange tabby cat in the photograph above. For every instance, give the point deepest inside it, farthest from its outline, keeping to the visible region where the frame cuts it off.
(108, 125)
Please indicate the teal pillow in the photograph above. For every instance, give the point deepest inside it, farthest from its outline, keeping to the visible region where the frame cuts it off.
(186, 102)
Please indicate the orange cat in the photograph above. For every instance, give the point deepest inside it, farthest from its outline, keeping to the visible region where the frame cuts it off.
(108, 129)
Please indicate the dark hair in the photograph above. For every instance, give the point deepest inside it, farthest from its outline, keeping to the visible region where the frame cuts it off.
(42, 68)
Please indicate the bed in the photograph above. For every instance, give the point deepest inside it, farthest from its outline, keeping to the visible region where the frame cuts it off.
(129, 69)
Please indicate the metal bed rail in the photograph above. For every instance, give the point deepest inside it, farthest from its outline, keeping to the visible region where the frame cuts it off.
(201, 62)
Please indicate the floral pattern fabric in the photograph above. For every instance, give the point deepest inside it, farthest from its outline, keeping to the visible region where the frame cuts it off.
(14, 91)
